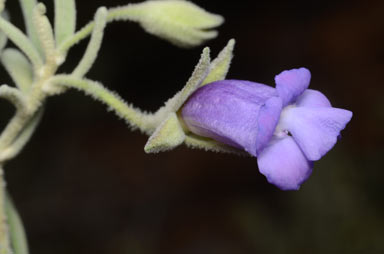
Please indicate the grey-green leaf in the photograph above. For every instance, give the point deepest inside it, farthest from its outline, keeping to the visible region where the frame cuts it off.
(17, 234)
(21, 41)
(3, 37)
(27, 7)
(18, 67)
(65, 19)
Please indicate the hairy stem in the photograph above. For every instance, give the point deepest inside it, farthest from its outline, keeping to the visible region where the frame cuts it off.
(4, 234)
(113, 15)
(135, 118)
(21, 140)
(94, 44)
(13, 129)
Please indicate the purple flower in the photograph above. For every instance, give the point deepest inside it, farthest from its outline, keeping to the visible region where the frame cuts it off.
(287, 127)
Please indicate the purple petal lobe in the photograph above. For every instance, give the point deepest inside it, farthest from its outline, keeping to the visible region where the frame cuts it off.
(284, 164)
(268, 118)
(315, 129)
(227, 111)
(312, 98)
(292, 83)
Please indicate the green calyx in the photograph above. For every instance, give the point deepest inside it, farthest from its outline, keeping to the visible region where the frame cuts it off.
(205, 72)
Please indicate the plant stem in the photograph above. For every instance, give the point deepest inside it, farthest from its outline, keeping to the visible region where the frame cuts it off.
(9, 137)
(18, 239)
(4, 234)
(13, 129)
(134, 117)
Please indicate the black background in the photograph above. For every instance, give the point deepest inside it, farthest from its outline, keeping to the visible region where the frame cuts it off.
(84, 184)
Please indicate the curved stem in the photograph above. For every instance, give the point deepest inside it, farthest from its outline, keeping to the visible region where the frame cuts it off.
(135, 118)
(77, 37)
(13, 95)
(13, 129)
(117, 13)
(94, 44)
(21, 140)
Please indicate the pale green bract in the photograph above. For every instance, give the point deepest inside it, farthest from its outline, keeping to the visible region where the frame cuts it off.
(43, 47)
(168, 135)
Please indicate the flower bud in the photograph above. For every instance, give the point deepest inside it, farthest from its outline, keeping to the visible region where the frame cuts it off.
(180, 22)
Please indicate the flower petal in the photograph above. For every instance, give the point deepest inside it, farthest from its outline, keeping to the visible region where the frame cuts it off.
(227, 111)
(312, 98)
(284, 164)
(315, 129)
(292, 83)
(268, 118)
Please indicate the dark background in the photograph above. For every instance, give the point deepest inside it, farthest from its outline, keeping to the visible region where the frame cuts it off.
(84, 184)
